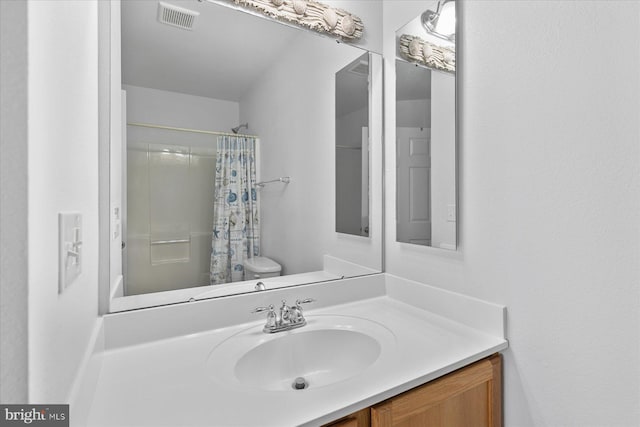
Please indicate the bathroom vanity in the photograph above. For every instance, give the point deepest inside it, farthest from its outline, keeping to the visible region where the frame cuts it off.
(372, 350)
(375, 349)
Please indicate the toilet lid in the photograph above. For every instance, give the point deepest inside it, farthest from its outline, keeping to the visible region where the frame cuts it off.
(260, 264)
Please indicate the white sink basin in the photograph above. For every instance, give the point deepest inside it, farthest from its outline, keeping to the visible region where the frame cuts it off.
(329, 349)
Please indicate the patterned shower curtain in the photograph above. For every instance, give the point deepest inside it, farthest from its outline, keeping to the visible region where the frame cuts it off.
(236, 224)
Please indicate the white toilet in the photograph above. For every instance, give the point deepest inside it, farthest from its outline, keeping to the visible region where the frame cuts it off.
(260, 267)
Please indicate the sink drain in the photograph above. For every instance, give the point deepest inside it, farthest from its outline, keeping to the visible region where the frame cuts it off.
(300, 384)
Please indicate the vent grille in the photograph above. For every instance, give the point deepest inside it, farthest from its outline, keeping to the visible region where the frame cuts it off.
(176, 16)
(360, 67)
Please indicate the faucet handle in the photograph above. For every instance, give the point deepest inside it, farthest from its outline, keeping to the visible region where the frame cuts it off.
(304, 301)
(296, 311)
(271, 308)
(272, 319)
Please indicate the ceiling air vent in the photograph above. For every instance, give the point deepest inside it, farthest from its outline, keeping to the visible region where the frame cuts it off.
(176, 16)
(360, 67)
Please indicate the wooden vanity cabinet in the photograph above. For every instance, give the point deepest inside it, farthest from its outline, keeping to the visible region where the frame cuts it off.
(359, 419)
(470, 396)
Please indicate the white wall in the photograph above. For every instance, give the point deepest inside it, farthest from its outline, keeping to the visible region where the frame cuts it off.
(550, 199)
(292, 110)
(63, 176)
(167, 108)
(14, 307)
(294, 141)
(414, 113)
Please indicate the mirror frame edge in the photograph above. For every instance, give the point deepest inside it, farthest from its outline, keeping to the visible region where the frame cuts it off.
(104, 151)
(457, 121)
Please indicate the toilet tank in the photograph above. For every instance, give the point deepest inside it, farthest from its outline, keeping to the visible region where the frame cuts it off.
(261, 268)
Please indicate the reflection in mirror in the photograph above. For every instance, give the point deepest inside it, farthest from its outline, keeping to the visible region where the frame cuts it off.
(227, 159)
(426, 130)
(352, 148)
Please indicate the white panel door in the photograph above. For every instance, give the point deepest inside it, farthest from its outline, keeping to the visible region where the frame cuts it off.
(414, 185)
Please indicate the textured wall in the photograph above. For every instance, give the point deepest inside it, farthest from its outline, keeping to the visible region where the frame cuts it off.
(63, 176)
(549, 202)
(13, 202)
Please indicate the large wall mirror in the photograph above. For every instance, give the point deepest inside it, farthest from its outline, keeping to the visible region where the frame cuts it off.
(229, 170)
(426, 129)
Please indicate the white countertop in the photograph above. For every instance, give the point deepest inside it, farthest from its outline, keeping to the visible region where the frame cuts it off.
(164, 382)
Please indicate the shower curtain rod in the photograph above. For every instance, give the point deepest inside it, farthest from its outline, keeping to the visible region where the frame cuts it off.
(148, 125)
(285, 179)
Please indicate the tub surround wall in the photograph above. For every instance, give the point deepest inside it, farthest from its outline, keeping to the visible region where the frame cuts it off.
(549, 199)
(170, 196)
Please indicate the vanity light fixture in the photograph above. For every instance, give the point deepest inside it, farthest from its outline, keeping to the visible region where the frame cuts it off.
(424, 49)
(309, 14)
(442, 22)
(421, 51)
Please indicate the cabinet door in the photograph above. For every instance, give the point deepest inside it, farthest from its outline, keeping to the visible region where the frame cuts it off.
(471, 396)
(358, 419)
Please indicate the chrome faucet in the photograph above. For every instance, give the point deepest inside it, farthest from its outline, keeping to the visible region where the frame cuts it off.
(288, 318)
